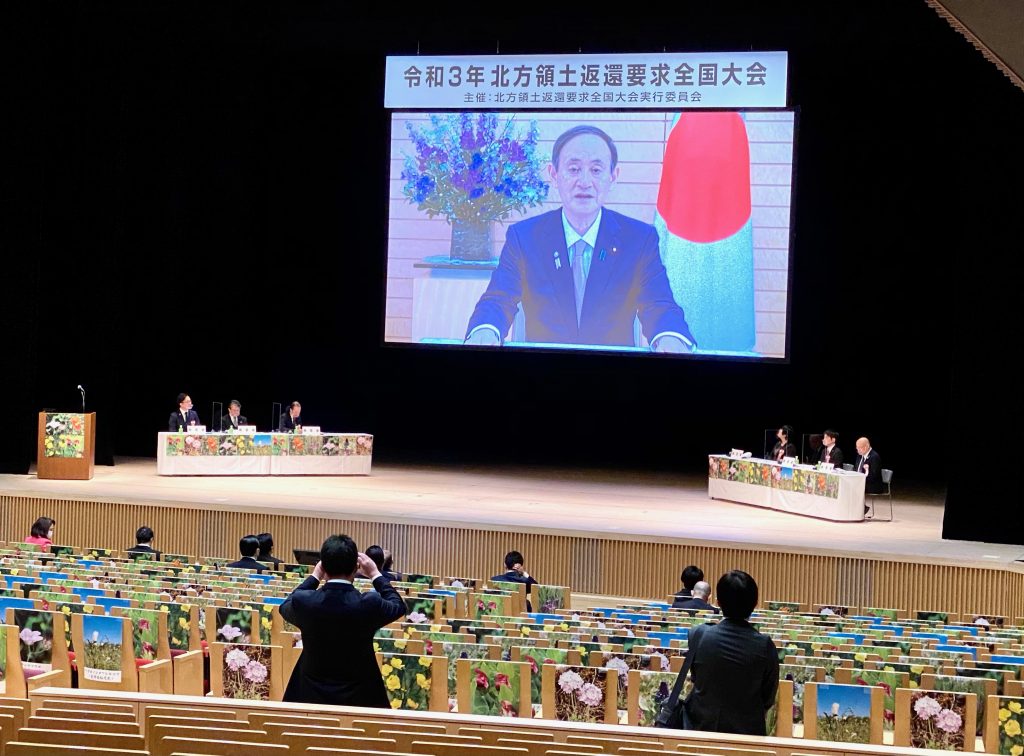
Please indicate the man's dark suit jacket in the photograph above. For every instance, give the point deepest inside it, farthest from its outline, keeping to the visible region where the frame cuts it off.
(837, 455)
(514, 577)
(176, 420)
(693, 604)
(140, 549)
(626, 279)
(226, 424)
(338, 665)
(248, 563)
(287, 424)
(873, 485)
(735, 678)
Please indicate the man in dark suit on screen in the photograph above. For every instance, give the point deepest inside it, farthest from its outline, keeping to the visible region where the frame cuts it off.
(582, 273)
(185, 416)
(338, 665)
(234, 418)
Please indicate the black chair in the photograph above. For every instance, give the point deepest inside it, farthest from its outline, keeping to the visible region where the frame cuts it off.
(887, 493)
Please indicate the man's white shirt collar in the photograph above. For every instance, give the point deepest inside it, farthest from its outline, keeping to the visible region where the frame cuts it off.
(572, 235)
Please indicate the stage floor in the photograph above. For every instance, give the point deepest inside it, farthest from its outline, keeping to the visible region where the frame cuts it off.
(620, 505)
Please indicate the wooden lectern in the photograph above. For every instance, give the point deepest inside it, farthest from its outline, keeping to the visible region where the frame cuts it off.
(66, 445)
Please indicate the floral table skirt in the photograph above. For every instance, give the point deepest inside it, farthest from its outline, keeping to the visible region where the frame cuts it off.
(264, 454)
(835, 495)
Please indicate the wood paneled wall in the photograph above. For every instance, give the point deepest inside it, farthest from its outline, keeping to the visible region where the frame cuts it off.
(617, 567)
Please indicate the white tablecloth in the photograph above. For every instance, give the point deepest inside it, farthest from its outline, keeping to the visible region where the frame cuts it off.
(847, 507)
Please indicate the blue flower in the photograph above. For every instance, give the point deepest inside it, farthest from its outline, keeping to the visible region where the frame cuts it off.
(478, 192)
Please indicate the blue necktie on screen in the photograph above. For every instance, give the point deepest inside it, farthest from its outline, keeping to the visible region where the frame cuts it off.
(580, 269)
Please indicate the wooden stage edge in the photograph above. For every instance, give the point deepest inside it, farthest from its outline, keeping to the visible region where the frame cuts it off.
(601, 532)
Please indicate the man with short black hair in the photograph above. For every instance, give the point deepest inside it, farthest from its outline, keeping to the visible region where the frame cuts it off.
(249, 546)
(516, 573)
(338, 623)
(234, 418)
(691, 575)
(291, 419)
(143, 542)
(185, 417)
(829, 452)
(735, 668)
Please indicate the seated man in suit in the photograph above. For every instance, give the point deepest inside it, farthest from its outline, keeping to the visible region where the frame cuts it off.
(185, 416)
(249, 547)
(144, 542)
(829, 452)
(234, 418)
(692, 574)
(582, 273)
(291, 419)
(516, 573)
(337, 665)
(870, 464)
(698, 600)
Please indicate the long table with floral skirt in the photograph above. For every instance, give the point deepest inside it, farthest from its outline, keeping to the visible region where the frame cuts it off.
(264, 454)
(832, 495)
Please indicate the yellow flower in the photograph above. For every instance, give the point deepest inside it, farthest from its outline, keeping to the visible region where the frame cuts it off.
(175, 641)
(393, 683)
(917, 668)
(564, 626)
(1016, 750)
(186, 607)
(525, 630)
(435, 628)
(400, 645)
(410, 704)
(1012, 728)
(266, 623)
(1014, 707)
(861, 656)
(396, 703)
(165, 608)
(1004, 714)
(888, 669)
(376, 646)
(423, 682)
(66, 610)
(386, 670)
(87, 608)
(183, 623)
(581, 649)
(912, 684)
(396, 663)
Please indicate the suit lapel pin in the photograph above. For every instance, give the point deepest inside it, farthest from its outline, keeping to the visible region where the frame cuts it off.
(558, 261)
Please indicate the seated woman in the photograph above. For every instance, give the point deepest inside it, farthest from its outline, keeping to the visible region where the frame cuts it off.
(783, 447)
(42, 532)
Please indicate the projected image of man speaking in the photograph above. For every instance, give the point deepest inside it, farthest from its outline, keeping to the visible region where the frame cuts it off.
(583, 273)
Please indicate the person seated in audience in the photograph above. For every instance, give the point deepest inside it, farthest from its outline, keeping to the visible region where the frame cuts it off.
(291, 419)
(829, 452)
(698, 600)
(234, 418)
(338, 665)
(143, 542)
(42, 532)
(735, 668)
(516, 573)
(384, 561)
(267, 548)
(249, 547)
(783, 446)
(692, 574)
(184, 417)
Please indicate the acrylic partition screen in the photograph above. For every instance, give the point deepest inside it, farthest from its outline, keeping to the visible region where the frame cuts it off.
(649, 231)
